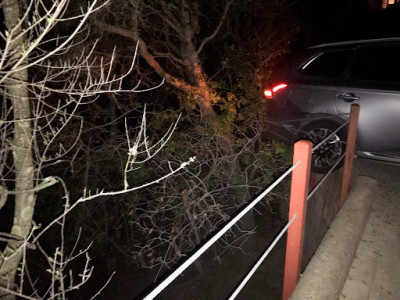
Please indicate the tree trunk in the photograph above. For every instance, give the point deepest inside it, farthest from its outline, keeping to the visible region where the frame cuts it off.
(192, 60)
(17, 93)
(204, 90)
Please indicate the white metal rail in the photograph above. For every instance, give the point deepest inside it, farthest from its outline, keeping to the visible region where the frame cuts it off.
(234, 220)
(211, 241)
(261, 259)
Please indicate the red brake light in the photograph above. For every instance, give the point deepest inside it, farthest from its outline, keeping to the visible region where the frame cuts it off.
(270, 93)
(279, 87)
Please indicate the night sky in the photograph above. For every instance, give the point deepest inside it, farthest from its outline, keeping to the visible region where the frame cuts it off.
(336, 20)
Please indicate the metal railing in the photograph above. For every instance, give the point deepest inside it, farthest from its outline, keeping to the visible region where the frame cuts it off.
(298, 203)
(297, 212)
(219, 234)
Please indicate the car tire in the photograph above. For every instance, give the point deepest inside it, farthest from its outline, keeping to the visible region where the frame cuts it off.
(327, 154)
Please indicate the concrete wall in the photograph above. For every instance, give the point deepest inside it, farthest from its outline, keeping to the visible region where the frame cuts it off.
(326, 273)
(322, 208)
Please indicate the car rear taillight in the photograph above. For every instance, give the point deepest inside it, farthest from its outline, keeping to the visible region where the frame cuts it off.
(273, 89)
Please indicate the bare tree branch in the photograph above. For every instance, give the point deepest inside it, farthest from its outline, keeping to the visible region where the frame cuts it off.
(213, 35)
(150, 59)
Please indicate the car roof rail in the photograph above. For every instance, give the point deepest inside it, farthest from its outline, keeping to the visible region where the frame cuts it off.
(356, 42)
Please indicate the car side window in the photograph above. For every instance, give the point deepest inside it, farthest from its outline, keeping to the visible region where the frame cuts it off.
(330, 64)
(380, 64)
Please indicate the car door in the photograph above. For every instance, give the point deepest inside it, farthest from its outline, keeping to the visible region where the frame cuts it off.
(374, 84)
(314, 90)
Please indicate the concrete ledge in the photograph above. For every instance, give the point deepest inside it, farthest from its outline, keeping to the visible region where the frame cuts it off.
(326, 273)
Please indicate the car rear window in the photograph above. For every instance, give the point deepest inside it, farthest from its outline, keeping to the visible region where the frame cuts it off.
(330, 64)
(377, 64)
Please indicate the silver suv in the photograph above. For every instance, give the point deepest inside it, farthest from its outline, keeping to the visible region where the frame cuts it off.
(311, 96)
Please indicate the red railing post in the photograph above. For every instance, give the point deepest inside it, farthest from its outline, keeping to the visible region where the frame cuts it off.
(350, 148)
(298, 207)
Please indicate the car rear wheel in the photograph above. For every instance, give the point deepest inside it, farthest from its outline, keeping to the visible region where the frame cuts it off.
(324, 157)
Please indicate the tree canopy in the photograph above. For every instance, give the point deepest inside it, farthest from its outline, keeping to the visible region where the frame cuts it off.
(136, 125)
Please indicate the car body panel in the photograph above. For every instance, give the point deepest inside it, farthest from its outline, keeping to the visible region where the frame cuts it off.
(379, 120)
(360, 73)
(313, 99)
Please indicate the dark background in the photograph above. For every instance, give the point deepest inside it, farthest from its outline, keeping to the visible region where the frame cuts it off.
(336, 20)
